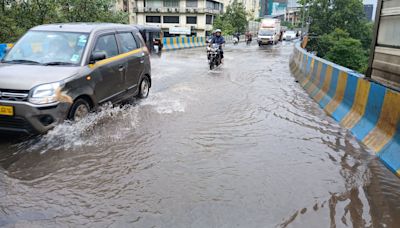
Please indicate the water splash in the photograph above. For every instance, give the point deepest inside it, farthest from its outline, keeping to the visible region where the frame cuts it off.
(108, 124)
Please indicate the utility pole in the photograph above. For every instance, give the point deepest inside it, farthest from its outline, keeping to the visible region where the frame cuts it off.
(303, 18)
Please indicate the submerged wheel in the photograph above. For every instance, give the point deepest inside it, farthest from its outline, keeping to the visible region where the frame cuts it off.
(144, 88)
(79, 110)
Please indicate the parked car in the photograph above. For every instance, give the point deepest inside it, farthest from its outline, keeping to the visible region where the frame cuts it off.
(289, 35)
(64, 71)
(153, 38)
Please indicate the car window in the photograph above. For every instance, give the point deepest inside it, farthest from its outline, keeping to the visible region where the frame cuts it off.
(108, 45)
(46, 47)
(140, 40)
(128, 43)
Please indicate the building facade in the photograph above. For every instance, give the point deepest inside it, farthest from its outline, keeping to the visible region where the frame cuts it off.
(384, 62)
(370, 8)
(252, 7)
(174, 17)
(274, 8)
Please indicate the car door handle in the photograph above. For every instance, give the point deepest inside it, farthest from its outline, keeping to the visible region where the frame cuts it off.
(121, 68)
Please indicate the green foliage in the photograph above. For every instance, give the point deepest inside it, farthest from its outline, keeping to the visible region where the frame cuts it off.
(18, 16)
(224, 25)
(341, 49)
(233, 20)
(287, 24)
(324, 43)
(348, 52)
(337, 24)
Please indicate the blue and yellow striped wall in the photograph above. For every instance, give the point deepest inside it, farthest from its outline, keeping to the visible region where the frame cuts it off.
(3, 48)
(175, 43)
(170, 43)
(369, 110)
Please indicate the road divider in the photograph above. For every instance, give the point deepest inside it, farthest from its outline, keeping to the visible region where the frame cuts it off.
(170, 43)
(3, 47)
(176, 43)
(369, 110)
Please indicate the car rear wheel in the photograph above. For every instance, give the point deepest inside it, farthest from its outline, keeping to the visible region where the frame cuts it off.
(144, 88)
(79, 110)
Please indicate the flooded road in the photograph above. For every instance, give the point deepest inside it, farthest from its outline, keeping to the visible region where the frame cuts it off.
(239, 146)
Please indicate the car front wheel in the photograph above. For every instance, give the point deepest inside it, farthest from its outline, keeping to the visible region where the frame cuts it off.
(79, 110)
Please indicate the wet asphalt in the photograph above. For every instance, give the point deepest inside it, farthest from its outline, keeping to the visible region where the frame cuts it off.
(239, 146)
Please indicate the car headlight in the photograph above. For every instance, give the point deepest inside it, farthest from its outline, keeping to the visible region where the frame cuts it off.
(44, 94)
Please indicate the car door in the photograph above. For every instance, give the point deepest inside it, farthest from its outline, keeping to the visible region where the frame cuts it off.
(134, 59)
(108, 73)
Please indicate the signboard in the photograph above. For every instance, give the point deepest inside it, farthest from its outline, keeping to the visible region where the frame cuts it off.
(179, 30)
(278, 9)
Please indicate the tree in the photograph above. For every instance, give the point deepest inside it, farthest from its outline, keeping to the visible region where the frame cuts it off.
(224, 25)
(17, 16)
(348, 52)
(233, 20)
(335, 26)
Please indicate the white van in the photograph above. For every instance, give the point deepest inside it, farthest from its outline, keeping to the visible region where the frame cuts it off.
(269, 32)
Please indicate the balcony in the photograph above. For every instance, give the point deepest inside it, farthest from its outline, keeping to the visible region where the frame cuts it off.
(175, 10)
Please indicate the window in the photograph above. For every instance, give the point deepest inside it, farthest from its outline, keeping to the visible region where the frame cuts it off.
(153, 19)
(171, 3)
(153, 4)
(209, 19)
(128, 43)
(108, 45)
(125, 5)
(389, 31)
(191, 3)
(213, 5)
(171, 19)
(46, 47)
(191, 20)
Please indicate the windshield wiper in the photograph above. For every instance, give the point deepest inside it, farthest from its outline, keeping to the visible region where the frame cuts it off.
(57, 63)
(21, 61)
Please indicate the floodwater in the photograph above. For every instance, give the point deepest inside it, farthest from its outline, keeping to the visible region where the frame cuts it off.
(239, 146)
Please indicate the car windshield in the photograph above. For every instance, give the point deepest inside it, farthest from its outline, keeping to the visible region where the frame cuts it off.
(48, 48)
(290, 32)
(266, 33)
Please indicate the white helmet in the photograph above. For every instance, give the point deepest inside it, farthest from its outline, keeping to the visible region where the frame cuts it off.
(218, 30)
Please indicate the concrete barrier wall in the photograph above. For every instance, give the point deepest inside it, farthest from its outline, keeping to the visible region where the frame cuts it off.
(3, 48)
(170, 43)
(369, 110)
(176, 43)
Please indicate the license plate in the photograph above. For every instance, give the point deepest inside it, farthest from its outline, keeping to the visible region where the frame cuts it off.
(6, 110)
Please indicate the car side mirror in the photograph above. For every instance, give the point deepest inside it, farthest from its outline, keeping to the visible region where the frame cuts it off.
(97, 56)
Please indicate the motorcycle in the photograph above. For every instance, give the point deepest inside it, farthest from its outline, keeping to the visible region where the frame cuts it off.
(214, 55)
(235, 40)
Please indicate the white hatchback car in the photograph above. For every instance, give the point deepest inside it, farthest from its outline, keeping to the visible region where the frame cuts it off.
(289, 35)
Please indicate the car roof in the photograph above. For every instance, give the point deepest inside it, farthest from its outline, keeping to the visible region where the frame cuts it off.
(82, 27)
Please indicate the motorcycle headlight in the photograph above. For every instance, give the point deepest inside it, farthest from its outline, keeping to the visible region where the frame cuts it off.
(44, 94)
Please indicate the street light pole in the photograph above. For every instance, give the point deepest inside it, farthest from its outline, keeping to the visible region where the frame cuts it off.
(303, 18)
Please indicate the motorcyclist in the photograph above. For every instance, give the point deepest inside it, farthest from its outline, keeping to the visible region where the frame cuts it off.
(237, 35)
(218, 39)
